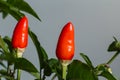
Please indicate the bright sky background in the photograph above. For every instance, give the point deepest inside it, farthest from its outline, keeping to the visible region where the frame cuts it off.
(95, 21)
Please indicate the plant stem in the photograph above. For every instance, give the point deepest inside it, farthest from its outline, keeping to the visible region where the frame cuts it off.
(19, 55)
(18, 74)
(113, 57)
(64, 72)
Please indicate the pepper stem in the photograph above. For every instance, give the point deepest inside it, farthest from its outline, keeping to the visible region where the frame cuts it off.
(113, 57)
(18, 74)
(64, 72)
(64, 63)
(20, 52)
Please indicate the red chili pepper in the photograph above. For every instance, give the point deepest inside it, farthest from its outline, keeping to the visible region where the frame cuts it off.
(65, 47)
(20, 34)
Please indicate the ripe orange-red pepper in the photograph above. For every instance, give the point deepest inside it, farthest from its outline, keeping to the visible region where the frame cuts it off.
(66, 46)
(20, 34)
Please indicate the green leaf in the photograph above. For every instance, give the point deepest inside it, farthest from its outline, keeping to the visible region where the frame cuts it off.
(51, 67)
(86, 58)
(56, 68)
(3, 65)
(7, 57)
(108, 75)
(8, 8)
(3, 45)
(23, 6)
(105, 71)
(4, 74)
(42, 55)
(54, 64)
(13, 8)
(78, 70)
(8, 42)
(114, 46)
(5, 50)
(36, 74)
(4, 14)
(24, 64)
